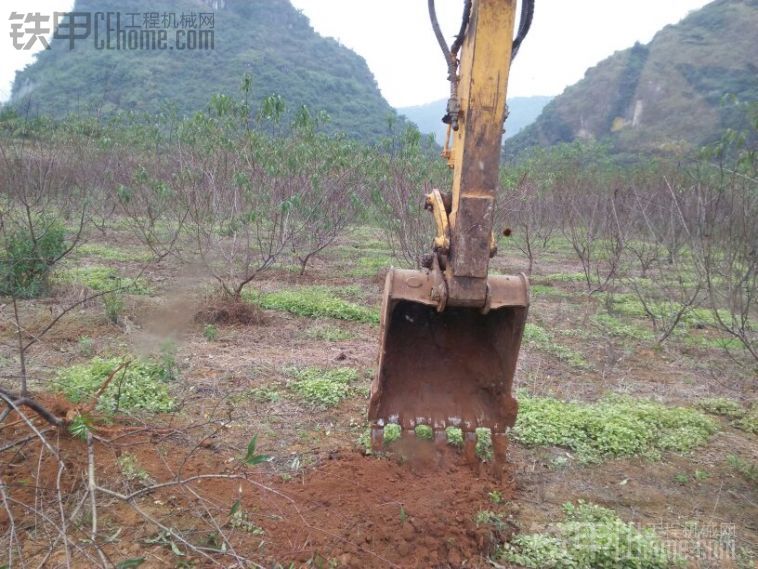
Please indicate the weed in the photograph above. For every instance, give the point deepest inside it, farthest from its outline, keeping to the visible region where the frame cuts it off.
(484, 444)
(130, 468)
(612, 427)
(266, 394)
(80, 426)
(27, 256)
(210, 332)
(629, 305)
(138, 386)
(111, 253)
(701, 475)
(496, 497)
(454, 436)
(315, 302)
(748, 470)
(749, 422)
(722, 406)
(615, 327)
(364, 441)
(566, 277)
(545, 290)
(681, 479)
(114, 306)
(424, 432)
(489, 518)
(86, 346)
(168, 369)
(251, 457)
(240, 520)
(323, 387)
(101, 279)
(589, 536)
(392, 433)
(542, 339)
(328, 332)
(369, 265)
(403, 515)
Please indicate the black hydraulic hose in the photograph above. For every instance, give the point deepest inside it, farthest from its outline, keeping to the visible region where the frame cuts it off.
(451, 53)
(462, 32)
(525, 22)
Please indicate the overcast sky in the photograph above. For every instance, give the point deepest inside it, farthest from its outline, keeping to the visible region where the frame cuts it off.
(395, 38)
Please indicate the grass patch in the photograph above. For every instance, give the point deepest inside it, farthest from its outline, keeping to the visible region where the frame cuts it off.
(749, 422)
(265, 394)
(111, 253)
(140, 386)
(369, 265)
(615, 327)
(540, 338)
(100, 279)
(565, 277)
(328, 332)
(722, 406)
(748, 470)
(323, 387)
(611, 428)
(589, 536)
(537, 290)
(627, 304)
(315, 302)
(728, 344)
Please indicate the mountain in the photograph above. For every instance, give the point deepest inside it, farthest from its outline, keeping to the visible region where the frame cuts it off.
(668, 96)
(268, 39)
(522, 112)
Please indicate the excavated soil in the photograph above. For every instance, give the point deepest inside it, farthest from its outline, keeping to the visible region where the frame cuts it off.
(368, 512)
(410, 509)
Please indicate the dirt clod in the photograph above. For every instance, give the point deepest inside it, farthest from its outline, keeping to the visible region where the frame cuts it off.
(230, 312)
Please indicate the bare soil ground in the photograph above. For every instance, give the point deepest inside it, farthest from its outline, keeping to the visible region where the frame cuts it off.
(320, 501)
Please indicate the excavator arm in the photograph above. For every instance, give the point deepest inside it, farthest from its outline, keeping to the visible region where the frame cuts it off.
(451, 334)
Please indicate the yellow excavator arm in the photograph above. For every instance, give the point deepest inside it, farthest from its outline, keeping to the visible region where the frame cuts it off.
(450, 334)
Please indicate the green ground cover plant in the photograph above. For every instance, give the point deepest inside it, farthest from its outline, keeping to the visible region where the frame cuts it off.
(139, 386)
(100, 279)
(619, 329)
(315, 302)
(589, 536)
(26, 262)
(112, 253)
(323, 387)
(722, 406)
(613, 427)
(537, 336)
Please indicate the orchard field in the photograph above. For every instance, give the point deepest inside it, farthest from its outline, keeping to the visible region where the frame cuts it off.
(189, 327)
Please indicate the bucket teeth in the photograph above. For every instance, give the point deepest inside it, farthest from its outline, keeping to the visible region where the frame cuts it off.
(440, 435)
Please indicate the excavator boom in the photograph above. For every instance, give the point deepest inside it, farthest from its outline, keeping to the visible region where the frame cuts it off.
(450, 334)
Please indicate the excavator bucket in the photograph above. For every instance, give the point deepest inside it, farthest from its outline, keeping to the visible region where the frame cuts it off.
(448, 368)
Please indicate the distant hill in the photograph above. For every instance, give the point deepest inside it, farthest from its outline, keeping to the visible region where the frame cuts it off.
(663, 97)
(269, 39)
(523, 111)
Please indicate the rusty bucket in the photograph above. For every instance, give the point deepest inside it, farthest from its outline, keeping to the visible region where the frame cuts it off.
(448, 368)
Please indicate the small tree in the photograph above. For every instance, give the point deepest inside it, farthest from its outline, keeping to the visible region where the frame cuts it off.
(403, 172)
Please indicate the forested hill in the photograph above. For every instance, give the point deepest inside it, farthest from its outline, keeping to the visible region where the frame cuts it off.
(668, 96)
(269, 39)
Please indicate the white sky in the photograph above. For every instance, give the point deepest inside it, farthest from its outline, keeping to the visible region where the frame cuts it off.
(395, 38)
